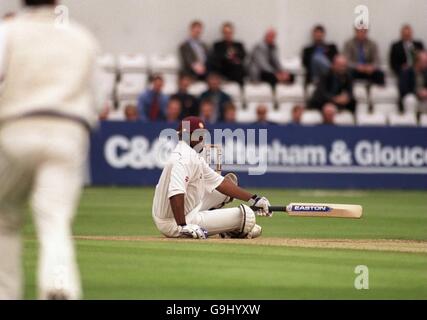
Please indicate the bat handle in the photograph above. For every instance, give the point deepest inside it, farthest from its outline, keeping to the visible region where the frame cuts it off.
(273, 209)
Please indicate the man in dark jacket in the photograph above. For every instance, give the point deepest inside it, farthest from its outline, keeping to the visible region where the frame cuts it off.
(228, 56)
(194, 53)
(317, 58)
(403, 52)
(335, 87)
(189, 103)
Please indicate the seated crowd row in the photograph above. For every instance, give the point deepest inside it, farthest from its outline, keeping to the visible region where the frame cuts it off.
(334, 82)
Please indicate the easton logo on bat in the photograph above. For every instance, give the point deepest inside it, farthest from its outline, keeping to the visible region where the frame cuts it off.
(311, 208)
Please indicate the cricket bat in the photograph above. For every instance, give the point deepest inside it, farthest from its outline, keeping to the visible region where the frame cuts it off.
(321, 210)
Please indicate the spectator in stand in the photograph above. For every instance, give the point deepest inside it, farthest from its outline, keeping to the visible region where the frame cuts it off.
(335, 87)
(404, 51)
(265, 63)
(152, 103)
(262, 115)
(131, 113)
(173, 111)
(230, 113)
(317, 58)
(413, 84)
(218, 97)
(362, 54)
(194, 53)
(297, 112)
(189, 103)
(228, 56)
(329, 112)
(207, 111)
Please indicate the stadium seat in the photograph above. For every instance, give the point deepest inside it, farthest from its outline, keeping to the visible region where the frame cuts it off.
(107, 62)
(253, 105)
(285, 108)
(170, 88)
(137, 79)
(290, 93)
(116, 115)
(128, 91)
(279, 117)
(410, 103)
(258, 92)
(107, 83)
(386, 108)
(170, 79)
(344, 118)
(245, 116)
(386, 94)
(168, 63)
(293, 65)
(233, 90)
(311, 117)
(371, 119)
(197, 88)
(129, 63)
(406, 119)
(362, 108)
(423, 120)
(360, 93)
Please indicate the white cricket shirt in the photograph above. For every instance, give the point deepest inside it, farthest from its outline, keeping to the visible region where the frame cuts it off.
(186, 173)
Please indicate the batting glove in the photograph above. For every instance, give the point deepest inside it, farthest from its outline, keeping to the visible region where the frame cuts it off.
(261, 206)
(194, 231)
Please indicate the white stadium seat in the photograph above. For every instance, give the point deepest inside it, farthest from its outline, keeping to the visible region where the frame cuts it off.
(107, 62)
(168, 63)
(344, 118)
(197, 88)
(293, 65)
(170, 88)
(286, 108)
(133, 63)
(311, 117)
(170, 79)
(384, 94)
(137, 79)
(116, 115)
(360, 93)
(289, 93)
(362, 108)
(279, 117)
(128, 91)
(253, 105)
(423, 120)
(233, 90)
(245, 116)
(258, 92)
(386, 108)
(406, 119)
(107, 82)
(371, 119)
(410, 103)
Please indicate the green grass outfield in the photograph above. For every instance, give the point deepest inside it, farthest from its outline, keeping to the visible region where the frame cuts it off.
(156, 269)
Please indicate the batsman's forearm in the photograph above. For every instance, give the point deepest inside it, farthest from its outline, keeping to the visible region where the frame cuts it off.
(177, 205)
(230, 189)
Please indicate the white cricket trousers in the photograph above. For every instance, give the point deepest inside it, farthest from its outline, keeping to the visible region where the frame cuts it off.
(41, 161)
(214, 221)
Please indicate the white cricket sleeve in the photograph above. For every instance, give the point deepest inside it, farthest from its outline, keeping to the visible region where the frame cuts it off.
(180, 176)
(211, 178)
(2, 53)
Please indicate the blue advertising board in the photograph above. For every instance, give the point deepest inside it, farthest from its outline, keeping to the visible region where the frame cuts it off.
(131, 154)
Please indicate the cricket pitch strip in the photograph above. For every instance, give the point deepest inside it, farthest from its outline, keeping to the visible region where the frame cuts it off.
(409, 246)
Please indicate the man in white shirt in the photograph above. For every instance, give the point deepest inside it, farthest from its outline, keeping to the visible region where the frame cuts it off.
(47, 107)
(189, 194)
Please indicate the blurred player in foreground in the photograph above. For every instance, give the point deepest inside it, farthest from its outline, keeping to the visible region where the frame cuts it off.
(47, 107)
(189, 196)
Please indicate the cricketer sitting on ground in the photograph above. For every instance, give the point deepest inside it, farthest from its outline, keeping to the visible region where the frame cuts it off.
(190, 194)
(47, 106)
